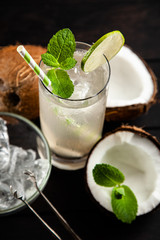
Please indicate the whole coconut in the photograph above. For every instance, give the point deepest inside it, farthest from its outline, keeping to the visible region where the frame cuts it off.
(18, 82)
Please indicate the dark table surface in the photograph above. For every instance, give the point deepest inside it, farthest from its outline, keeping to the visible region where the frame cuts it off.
(34, 22)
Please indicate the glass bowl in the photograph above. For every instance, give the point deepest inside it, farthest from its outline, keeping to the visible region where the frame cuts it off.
(28, 150)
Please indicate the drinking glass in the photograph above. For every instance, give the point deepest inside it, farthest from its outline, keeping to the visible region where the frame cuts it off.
(72, 126)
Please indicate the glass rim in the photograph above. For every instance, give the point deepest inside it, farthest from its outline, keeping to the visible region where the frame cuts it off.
(81, 99)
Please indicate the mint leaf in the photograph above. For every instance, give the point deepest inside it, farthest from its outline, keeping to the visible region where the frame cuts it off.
(49, 60)
(61, 83)
(119, 192)
(68, 63)
(124, 207)
(62, 45)
(107, 175)
(59, 55)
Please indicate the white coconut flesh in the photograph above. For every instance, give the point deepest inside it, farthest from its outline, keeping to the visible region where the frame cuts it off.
(139, 160)
(130, 81)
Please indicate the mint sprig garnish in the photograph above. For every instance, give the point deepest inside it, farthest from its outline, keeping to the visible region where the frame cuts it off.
(59, 56)
(123, 200)
(50, 60)
(61, 83)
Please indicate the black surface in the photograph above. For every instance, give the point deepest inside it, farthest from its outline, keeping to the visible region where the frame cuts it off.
(34, 22)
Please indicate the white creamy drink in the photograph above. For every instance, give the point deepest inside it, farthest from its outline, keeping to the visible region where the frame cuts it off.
(72, 126)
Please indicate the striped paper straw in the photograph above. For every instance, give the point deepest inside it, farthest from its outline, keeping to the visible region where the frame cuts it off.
(27, 57)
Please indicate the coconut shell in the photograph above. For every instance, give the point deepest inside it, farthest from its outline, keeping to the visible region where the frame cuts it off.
(137, 130)
(129, 112)
(18, 82)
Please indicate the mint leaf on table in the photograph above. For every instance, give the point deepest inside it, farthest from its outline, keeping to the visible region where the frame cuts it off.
(124, 205)
(107, 175)
(119, 192)
(123, 200)
(61, 83)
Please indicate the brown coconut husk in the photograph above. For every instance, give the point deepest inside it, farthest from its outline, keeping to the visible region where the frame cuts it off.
(129, 112)
(136, 130)
(18, 82)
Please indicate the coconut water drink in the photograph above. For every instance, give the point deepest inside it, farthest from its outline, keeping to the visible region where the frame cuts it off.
(72, 90)
(72, 126)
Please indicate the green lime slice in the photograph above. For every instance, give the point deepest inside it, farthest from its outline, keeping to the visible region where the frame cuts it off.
(108, 45)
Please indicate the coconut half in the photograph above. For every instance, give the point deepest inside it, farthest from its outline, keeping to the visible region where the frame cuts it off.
(133, 86)
(137, 155)
(18, 82)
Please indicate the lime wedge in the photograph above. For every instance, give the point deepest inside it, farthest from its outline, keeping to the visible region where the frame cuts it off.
(108, 45)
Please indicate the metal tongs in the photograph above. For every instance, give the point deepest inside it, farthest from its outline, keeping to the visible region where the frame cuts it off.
(32, 178)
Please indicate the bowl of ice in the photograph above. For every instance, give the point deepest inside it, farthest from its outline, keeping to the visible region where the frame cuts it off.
(23, 147)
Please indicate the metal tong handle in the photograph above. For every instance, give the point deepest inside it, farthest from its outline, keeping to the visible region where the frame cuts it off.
(37, 215)
(63, 221)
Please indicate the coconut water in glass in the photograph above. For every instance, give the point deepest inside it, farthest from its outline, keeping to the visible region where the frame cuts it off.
(72, 126)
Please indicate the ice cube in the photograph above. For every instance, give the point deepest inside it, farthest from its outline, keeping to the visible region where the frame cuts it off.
(5, 195)
(20, 161)
(18, 185)
(4, 146)
(15, 164)
(28, 162)
(40, 168)
(80, 90)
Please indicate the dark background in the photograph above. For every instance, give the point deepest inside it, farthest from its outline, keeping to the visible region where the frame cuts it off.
(34, 22)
